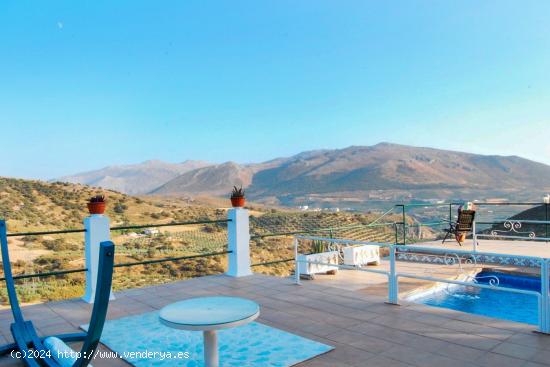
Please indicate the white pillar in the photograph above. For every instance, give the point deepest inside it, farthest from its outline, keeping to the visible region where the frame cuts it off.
(97, 231)
(393, 284)
(296, 263)
(238, 233)
(474, 236)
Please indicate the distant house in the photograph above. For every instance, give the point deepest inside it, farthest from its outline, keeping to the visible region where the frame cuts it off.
(151, 231)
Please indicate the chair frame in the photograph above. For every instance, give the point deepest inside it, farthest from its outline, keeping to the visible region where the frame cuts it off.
(460, 226)
(26, 339)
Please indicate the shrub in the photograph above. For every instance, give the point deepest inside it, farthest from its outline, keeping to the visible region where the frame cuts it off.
(120, 208)
(59, 244)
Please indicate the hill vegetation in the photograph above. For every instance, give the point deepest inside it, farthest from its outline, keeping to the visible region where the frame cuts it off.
(37, 205)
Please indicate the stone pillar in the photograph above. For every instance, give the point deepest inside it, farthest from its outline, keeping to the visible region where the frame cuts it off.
(238, 233)
(97, 231)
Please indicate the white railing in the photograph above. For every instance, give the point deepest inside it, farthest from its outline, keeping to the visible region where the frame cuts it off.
(444, 257)
(512, 228)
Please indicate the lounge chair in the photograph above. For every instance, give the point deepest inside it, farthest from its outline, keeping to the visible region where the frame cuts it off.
(464, 224)
(48, 351)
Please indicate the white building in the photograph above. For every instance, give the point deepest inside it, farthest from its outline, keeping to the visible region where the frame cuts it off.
(151, 231)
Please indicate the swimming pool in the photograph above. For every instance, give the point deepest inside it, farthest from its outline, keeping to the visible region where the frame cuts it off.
(487, 302)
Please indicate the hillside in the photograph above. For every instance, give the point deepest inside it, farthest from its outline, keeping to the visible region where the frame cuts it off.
(36, 205)
(134, 179)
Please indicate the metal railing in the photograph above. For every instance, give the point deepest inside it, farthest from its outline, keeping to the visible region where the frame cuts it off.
(393, 275)
(332, 231)
(507, 228)
(156, 261)
(141, 226)
(511, 228)
(117, 228)
(405, 226)
(44, 233)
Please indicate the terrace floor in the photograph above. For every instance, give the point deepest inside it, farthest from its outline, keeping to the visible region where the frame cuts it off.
(363, 329)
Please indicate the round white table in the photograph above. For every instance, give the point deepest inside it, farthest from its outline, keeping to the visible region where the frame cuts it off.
(208, 314)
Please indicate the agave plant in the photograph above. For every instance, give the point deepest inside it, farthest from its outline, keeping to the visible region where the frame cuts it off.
(237, 192)
(318, 246)
(97, 199)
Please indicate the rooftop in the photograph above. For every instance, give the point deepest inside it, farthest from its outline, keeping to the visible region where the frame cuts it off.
(364, 330)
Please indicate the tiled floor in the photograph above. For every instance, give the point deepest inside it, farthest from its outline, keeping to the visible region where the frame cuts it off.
(363, 329)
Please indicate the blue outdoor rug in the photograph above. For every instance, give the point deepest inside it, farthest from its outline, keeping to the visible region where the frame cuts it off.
(136, 339)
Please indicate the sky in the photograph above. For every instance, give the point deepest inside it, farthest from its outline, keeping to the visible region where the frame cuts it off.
(86, 84)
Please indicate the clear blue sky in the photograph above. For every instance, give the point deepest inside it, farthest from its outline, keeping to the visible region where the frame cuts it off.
(89, 84)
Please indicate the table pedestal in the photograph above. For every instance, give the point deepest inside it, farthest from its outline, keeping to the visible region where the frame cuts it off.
(221, 313)
(211, 357)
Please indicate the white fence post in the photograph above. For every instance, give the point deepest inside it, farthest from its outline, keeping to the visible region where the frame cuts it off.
(474, 236)
(238, 233)
(97, 231)
(296, 263)
(393, 286)
(544, 312)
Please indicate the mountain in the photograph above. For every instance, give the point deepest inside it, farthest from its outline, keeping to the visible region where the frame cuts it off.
(134, 178)
(211, 180)
(390, 166)
(383, 172)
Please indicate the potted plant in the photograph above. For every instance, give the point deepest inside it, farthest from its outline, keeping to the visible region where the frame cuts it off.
(321, 254)
(96, 204)
(237, 197)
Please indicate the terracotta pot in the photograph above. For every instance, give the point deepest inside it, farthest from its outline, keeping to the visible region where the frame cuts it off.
(238, 202)
(461, 237)
(96, 208)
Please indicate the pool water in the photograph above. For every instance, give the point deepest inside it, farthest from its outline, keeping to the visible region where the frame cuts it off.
(487, 302)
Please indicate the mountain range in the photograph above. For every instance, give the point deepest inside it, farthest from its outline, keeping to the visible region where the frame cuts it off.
(134, 179)
(358, 173)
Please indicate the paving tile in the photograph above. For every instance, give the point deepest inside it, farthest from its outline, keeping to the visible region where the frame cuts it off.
(420, 358)
(499, 360)
(351, 356)
(533, 364)
(541, 356)
(516, 350)
(381, 361)
(535, 340)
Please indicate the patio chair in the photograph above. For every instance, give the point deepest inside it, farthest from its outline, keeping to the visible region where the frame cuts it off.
(49, 351)
(464, 224)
